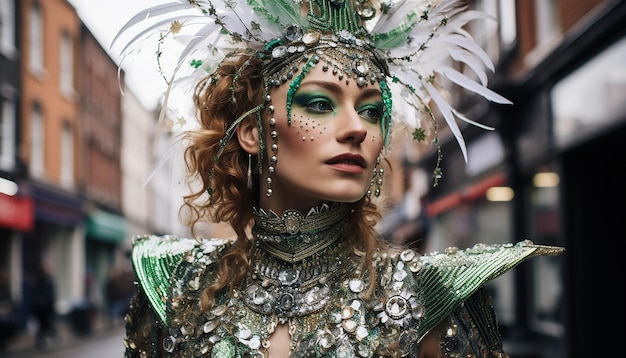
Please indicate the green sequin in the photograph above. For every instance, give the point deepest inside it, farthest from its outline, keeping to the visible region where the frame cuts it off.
(223, 349)
(295, 84)
(386, 120)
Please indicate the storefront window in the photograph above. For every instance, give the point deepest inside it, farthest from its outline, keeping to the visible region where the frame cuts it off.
(591, 98)
(479, 221)
(544, 227)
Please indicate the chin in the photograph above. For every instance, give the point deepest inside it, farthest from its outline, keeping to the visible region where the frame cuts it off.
(347, 198)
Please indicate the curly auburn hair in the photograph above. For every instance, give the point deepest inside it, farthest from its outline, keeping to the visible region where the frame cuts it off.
(232, 90)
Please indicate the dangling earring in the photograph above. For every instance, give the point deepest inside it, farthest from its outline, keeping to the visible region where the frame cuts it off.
(249, 171)
(377, 179)
(379, 182)
(274, 147)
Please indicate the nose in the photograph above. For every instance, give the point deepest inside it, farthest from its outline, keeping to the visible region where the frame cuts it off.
(351, 127)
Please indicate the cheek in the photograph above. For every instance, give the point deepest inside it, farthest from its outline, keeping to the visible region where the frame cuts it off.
(375, 137)
(306, 128)
(375, 146)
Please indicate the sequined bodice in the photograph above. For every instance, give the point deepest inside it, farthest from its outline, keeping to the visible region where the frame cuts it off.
(322, 299)
(304, 275)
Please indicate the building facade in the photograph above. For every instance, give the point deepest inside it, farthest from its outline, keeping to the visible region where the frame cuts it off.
(101, 124)
(16, 204)
(49, 135)
(138, 133)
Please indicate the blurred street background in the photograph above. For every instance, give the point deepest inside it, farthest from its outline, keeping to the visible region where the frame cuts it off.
(106, 343)
(84, 166)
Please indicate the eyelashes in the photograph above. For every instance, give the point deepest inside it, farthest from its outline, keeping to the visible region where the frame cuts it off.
(372, 112)
(314, 103)
(319, 105)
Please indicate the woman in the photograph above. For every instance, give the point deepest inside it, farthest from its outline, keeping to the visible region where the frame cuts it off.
(292, 131)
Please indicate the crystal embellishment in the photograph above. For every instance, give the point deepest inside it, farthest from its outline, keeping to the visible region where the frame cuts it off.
(288, 276)
(396, 307)
(292, 220)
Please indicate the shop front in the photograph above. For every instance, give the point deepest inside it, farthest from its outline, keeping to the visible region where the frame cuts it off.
(105, 232)
(55, 242)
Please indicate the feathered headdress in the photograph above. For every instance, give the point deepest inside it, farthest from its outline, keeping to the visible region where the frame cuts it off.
(413, 44)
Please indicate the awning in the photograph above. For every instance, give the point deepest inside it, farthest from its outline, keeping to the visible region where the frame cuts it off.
(106, 226)
(467, 194)
(56, 206)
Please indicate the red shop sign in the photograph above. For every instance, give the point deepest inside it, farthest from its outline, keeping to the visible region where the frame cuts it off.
(16, 212)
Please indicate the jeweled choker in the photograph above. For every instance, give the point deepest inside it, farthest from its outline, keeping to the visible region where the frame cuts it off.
(293, 222)
(293, 237)
(295, 260)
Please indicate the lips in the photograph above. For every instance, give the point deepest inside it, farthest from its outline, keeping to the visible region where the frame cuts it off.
(348, 159)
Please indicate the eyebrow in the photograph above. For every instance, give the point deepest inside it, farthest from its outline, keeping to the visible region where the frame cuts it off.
(337, 89)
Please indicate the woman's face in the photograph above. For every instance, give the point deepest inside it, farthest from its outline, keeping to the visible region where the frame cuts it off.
(330, 149)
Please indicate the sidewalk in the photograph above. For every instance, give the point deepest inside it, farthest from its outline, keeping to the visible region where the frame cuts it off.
(23, 346)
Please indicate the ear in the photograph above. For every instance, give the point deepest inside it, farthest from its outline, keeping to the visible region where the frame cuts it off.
(248, 135)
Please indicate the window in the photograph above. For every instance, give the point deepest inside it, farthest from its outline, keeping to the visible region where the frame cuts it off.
(485, 31)
(35, 39)
(36, 143)
(498, 32)
(7, 134)
(7, 28)
(67, 155)
(546, 22)
(508, 23)
(544, 225)
(547, 31)
(67, 65)
(590, 100)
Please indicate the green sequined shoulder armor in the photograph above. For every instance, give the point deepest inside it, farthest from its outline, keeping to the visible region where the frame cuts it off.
(155, 258)
(324, 303)
(449, 278)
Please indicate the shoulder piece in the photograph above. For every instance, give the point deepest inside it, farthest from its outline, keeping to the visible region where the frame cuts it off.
(448, 279)
(154, 260)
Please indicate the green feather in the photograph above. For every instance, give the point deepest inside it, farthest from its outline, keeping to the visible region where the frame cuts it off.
(279, 11)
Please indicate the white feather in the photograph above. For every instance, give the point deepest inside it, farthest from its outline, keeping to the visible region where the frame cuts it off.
(151, 12)
(464, 56)
(446, 111)
(471, 85)
(398, 15)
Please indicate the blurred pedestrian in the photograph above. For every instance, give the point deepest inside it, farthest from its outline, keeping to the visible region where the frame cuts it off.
(9, 320)
(120, 288)
(128, 283)
(43, 300)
